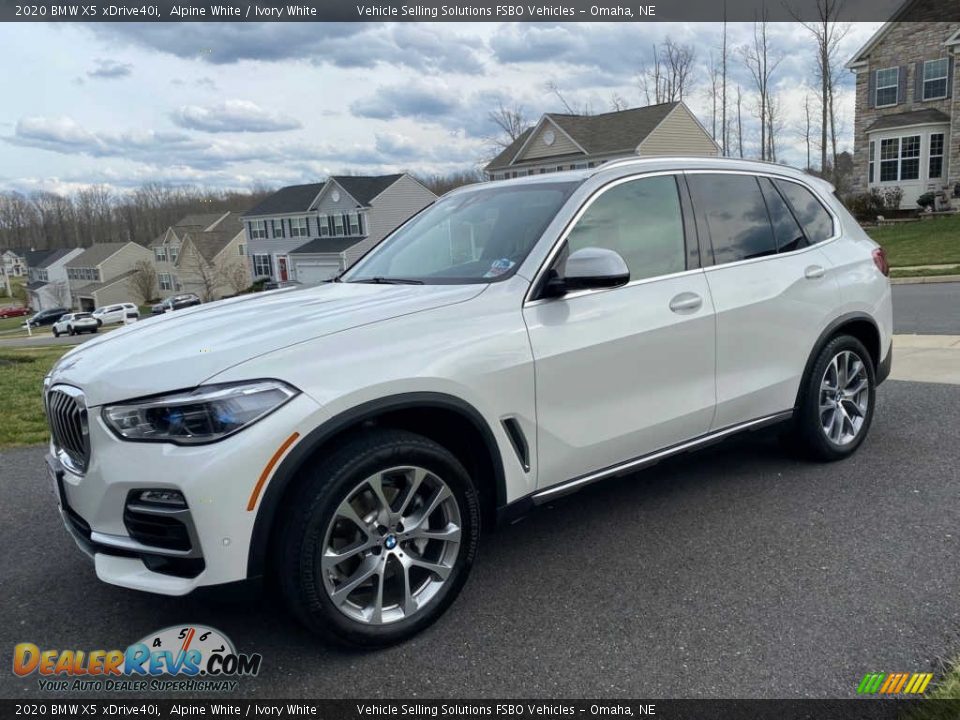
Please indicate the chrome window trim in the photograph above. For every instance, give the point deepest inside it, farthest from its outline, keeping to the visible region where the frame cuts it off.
(837, 231)
(568, 228)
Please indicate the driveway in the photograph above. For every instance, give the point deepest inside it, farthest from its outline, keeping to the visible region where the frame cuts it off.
(737, 572)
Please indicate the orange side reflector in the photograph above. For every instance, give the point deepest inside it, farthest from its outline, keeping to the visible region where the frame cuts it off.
(255, 495)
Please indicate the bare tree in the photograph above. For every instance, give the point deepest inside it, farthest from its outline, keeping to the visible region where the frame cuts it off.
(208, 277)
(740, 121)
(670, 76)
(774, 126)
(511, 123)
(761, 62)
(237, 276)
(807, 127)
(143, 281)
(714, 72)
(618, 103)
(724, 130)
(828, 34)
(572, 108)
(60, 292)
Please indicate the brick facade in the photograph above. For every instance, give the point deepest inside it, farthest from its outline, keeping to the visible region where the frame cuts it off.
(904, 45)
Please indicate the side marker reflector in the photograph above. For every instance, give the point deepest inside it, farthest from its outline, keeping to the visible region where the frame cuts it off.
(255, 495)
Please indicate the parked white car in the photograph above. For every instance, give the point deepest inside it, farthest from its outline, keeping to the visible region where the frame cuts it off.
(75, 323)
(116, 314)
(512, 343)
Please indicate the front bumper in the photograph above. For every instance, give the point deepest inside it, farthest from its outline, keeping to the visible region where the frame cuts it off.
(211, 546)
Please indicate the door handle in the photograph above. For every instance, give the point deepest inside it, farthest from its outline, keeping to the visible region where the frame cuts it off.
(813, 272)
(686, 302)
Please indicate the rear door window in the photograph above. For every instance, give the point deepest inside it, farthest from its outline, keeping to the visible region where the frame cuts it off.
(732, 208)
(816, 221)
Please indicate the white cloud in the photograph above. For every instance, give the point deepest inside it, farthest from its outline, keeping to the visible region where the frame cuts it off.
(233, 116)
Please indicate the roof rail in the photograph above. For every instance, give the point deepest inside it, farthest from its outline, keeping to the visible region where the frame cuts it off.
(639, 159)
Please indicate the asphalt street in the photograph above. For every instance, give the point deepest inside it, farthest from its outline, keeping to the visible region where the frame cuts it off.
(736, 572)
(927, 309)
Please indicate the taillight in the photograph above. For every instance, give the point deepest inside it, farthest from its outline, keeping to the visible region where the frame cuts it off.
(880, 260)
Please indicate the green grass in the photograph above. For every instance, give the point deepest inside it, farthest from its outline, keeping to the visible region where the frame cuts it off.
(925, 242)
(925, 272)
(21, 387)
(12, 323)
(949, 687)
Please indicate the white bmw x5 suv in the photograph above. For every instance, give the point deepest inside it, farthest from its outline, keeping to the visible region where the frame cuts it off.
(514, 342)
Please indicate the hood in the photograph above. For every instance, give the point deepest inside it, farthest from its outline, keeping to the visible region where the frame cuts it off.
(182, 349)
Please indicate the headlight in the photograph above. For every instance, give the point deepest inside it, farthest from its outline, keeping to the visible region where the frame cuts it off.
(204, 415)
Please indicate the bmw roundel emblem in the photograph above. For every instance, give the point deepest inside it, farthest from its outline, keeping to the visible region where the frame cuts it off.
(390, 542)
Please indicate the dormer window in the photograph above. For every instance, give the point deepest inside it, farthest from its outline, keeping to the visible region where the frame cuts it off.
(935, 79)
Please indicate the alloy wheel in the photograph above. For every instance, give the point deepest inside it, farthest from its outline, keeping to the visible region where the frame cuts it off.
(391, 545)
(844, 397)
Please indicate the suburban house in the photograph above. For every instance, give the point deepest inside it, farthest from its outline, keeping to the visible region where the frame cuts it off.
(12, 263)
(569, 142)
(907, 123)
(100, 275)
(203, 254)
(309, 233)
(47, 284)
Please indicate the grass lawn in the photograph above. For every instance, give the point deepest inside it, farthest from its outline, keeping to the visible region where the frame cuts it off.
(949, 687)
(21, 387)
(12, 323)
(925, 242)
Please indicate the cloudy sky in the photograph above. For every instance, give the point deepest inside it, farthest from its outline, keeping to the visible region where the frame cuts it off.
(230, 105)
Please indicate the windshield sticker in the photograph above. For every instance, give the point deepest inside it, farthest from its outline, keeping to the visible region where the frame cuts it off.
(499, 267)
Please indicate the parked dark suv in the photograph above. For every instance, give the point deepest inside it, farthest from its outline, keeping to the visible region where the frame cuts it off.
(46, 317)
(176, 302)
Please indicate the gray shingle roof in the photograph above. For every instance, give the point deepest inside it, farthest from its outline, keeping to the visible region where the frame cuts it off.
(326, 245)
(53, 256)
(199, 220)
(364, 188)
(95, 254)
(33, 258)
(611, 132)
(913, 117)
(294, 198)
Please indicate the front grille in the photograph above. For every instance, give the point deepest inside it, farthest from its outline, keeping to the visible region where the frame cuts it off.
(67, 417)
(160, 531)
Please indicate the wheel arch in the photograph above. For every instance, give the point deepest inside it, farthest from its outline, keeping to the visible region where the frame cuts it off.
(859, 325)
(449, 420)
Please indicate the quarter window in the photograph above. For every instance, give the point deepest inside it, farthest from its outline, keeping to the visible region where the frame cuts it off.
(813, 216)
(642, 221)
(888, 82)
(936, 156)
(735, 214)
(786, 230)
(935, 79)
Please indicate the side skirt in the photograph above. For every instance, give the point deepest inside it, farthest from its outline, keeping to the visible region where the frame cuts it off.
(515, 510)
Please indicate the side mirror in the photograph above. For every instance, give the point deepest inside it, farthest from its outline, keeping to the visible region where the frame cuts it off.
(589, 269)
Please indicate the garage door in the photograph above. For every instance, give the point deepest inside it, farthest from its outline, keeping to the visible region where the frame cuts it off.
(313, 273)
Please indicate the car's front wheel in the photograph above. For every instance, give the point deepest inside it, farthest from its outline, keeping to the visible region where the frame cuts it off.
(70, 330)
(56, 333)
(836, 405)
(380, 539)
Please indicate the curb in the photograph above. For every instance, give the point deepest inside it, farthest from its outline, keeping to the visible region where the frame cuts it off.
(924, 280)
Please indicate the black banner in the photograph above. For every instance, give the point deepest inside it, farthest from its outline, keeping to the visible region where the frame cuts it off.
(469, 10)
(515, 709)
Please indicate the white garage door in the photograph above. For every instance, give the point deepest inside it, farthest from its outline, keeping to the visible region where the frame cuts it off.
(313, 273)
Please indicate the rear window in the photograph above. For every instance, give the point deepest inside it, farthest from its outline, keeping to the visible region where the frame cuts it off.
(816, 221)
(80, 316)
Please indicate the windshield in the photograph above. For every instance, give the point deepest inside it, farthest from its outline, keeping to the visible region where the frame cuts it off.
(478, 236)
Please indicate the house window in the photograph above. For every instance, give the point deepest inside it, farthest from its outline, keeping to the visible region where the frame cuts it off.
(935, 79)
(174, 254)
(298, 227)
(910, 157)
(323, 226)
(277, 228)
(262, 266)
(165, 281)
(240, 249)
(160, 253)
(936, 156)
(870, 161)
(354, 223)
(889, 159)
(338, 225)
(258, 230)
(888, 82)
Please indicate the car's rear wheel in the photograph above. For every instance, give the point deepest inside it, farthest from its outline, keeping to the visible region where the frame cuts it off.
(56, 334)
(381, 539)
(70, 330)
(836, 405)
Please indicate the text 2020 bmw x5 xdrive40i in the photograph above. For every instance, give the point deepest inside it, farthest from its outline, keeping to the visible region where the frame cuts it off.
(511, 343)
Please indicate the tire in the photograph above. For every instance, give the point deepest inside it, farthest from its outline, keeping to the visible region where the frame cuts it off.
(99, 322)
(319, 594)
(95, 330)
(70, 330)
(55, 333)
(834, 429)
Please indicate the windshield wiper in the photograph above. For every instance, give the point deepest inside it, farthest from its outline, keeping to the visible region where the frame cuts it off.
(390, 281)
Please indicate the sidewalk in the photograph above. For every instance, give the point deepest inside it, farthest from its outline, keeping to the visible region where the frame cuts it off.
(926, 358)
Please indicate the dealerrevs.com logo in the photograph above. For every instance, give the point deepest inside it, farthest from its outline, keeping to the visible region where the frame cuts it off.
(180, 658)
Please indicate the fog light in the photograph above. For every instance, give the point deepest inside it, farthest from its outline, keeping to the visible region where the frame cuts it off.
(168, 498)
